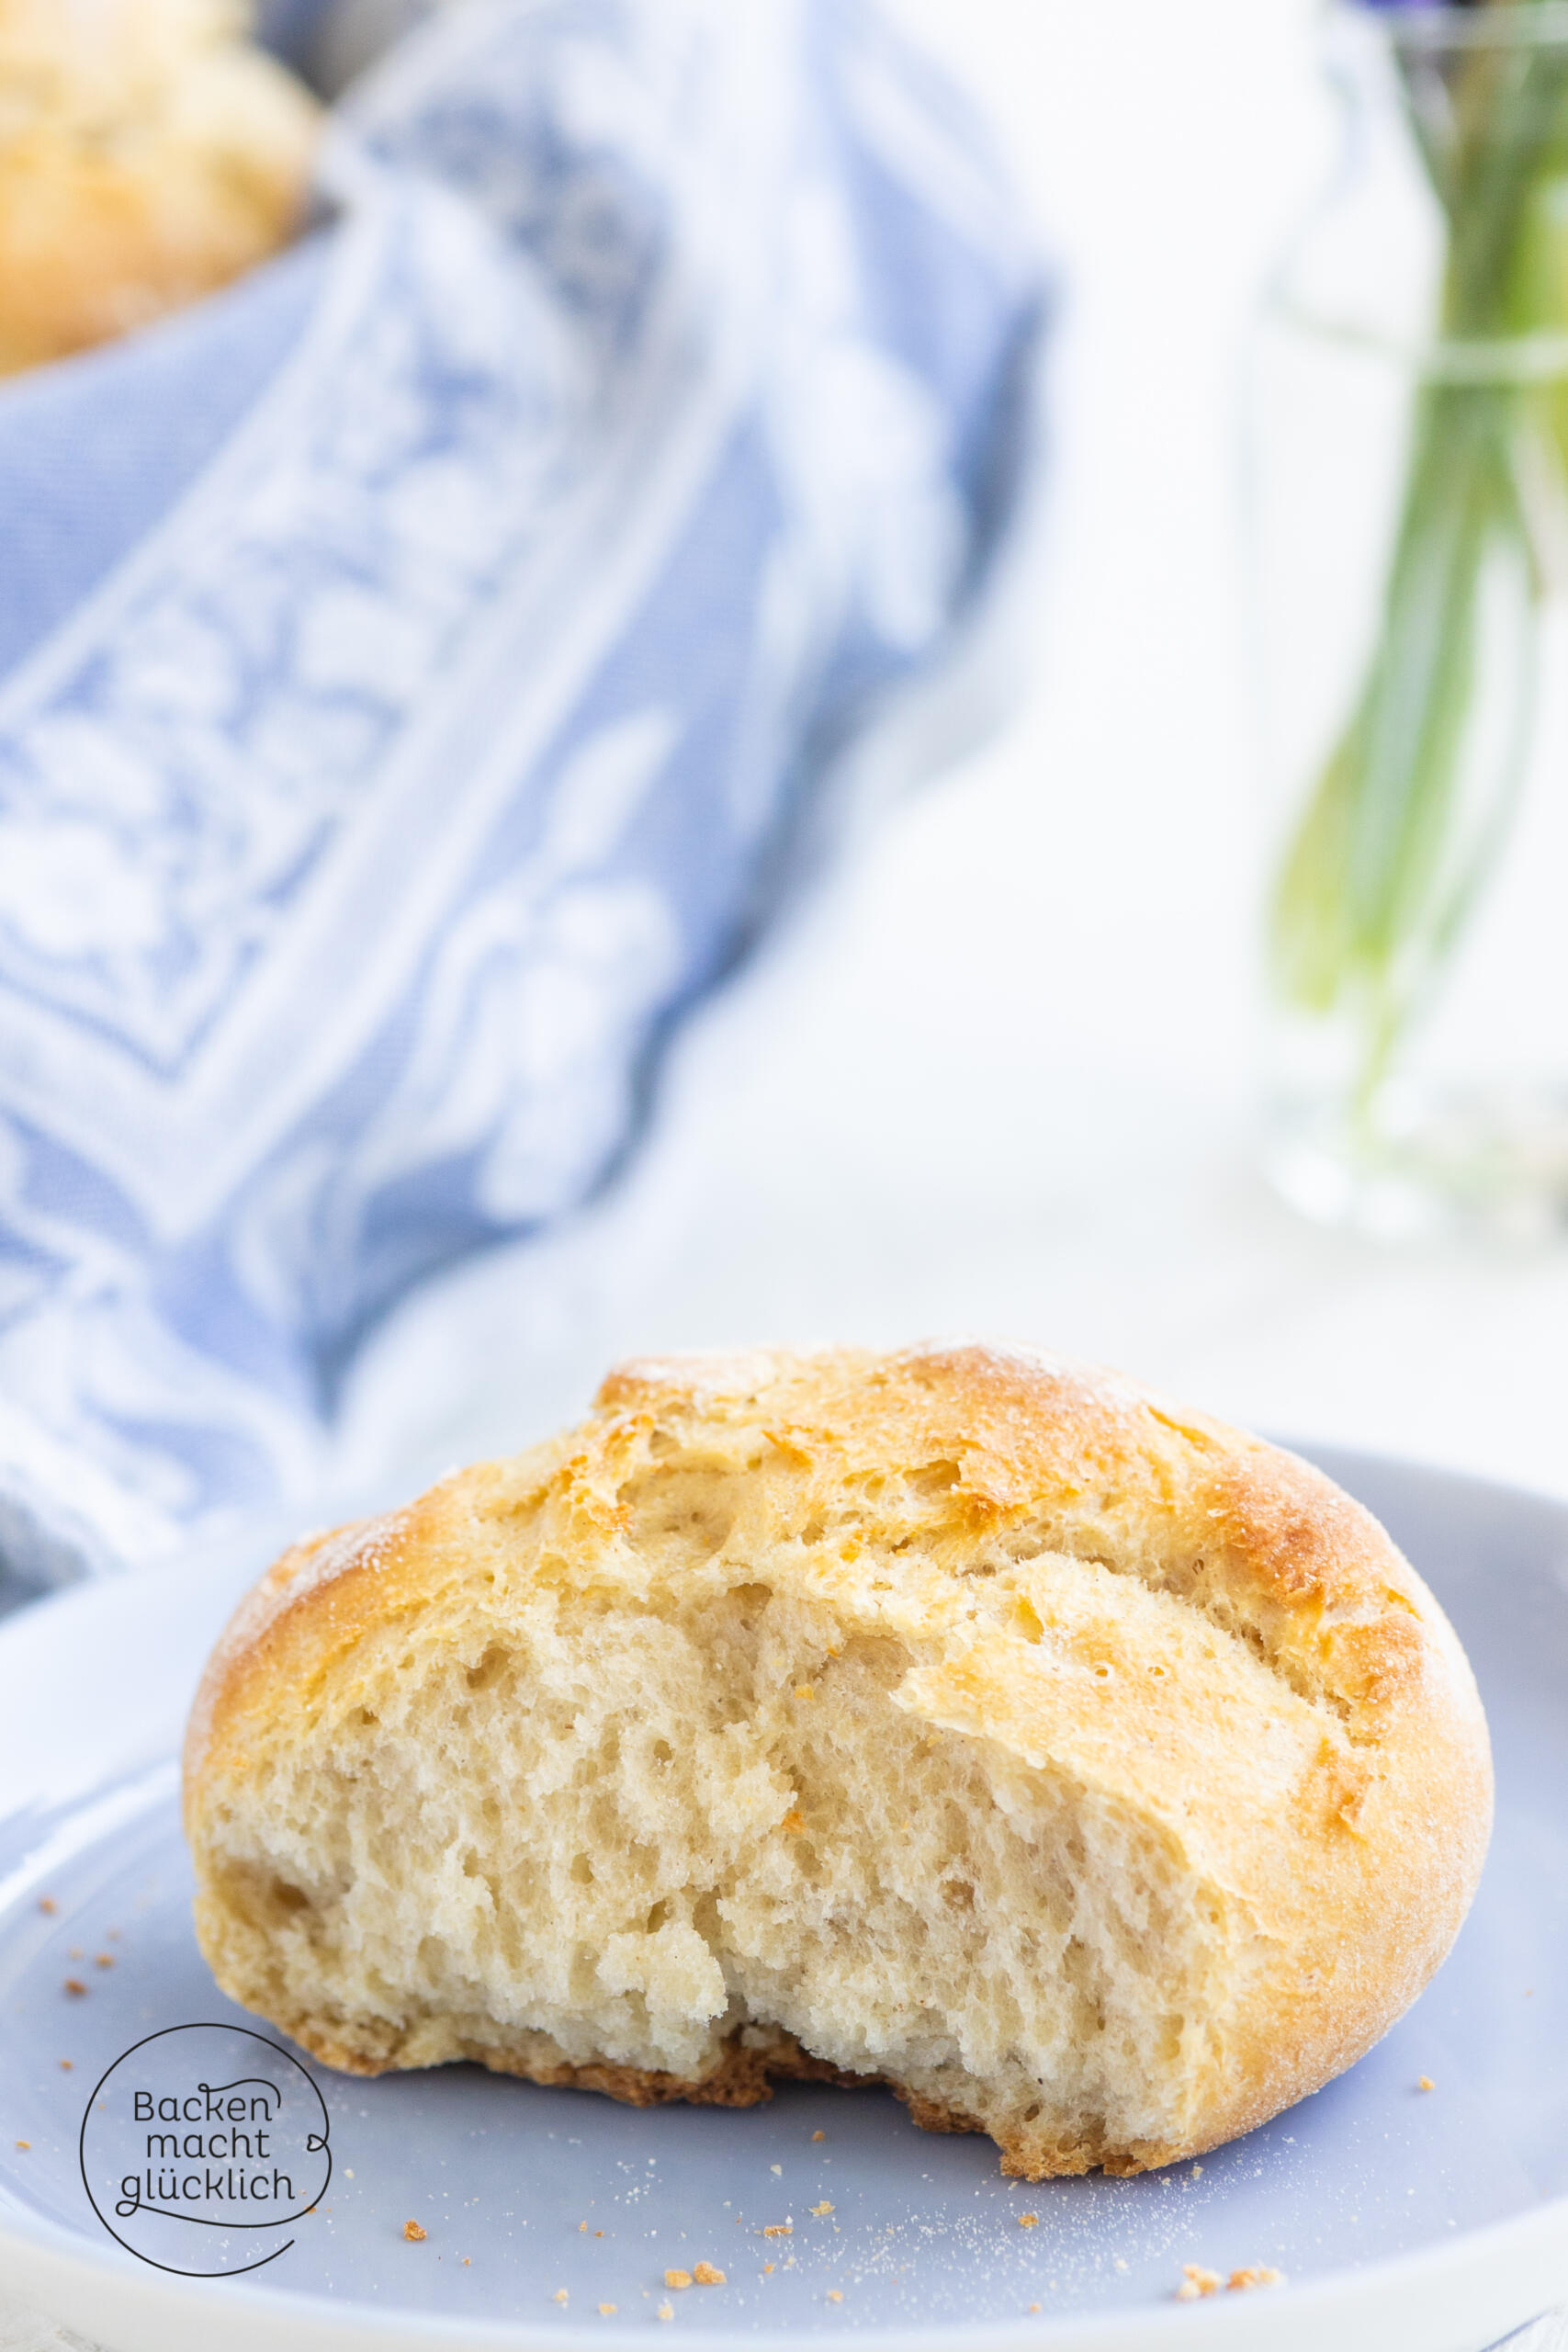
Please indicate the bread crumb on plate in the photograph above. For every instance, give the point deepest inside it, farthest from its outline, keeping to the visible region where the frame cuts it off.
(1196, 2281)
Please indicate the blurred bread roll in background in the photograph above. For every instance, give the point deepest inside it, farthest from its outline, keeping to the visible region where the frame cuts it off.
(148, 154)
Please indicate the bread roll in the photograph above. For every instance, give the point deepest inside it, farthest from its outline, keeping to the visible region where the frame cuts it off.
(1096, 1776)
(147, 155)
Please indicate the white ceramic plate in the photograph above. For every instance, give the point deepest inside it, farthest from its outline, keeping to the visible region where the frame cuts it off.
(1436, 2221)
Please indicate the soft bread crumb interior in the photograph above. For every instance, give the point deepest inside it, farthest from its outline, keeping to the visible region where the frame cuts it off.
(578, 1831)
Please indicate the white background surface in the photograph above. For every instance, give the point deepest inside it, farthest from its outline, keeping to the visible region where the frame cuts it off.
(1000, 1080)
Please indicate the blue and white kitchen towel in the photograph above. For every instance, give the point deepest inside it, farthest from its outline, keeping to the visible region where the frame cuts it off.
(412, 665)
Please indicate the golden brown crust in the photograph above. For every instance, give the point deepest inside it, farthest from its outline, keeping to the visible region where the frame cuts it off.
(744, 2076)
(1333, 1923)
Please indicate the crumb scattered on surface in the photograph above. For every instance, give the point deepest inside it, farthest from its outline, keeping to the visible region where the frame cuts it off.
(75, 1985)
(677, 2277)
(778, 2229)
(582, 2228)
(1425, 2083)
(768, 2269)
(24, 2143)
(560, 2295)
(598, 2233)
(706, 2275)
(47, 1903)
(1027, 2220)
(608, 2311)
(665, 2310)
(1034, 2307)
(102, 1960)
(834, 2295)
(1196, 2281)
(1197, 2172)
(819, 2136)
(74, 1952)
(65, 2064)
(823, 2208)
(413, 2231)
(1256, 2274)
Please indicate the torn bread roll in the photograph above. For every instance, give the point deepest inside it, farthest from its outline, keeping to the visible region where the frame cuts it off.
(1095, 1775)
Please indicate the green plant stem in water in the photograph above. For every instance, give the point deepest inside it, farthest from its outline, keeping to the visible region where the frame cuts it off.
(1404, 820)
(1372, 895)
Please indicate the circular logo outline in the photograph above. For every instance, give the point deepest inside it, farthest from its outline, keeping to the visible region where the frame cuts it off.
(313, 2142)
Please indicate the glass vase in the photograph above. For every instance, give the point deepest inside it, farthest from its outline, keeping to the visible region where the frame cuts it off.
(1410, 529)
